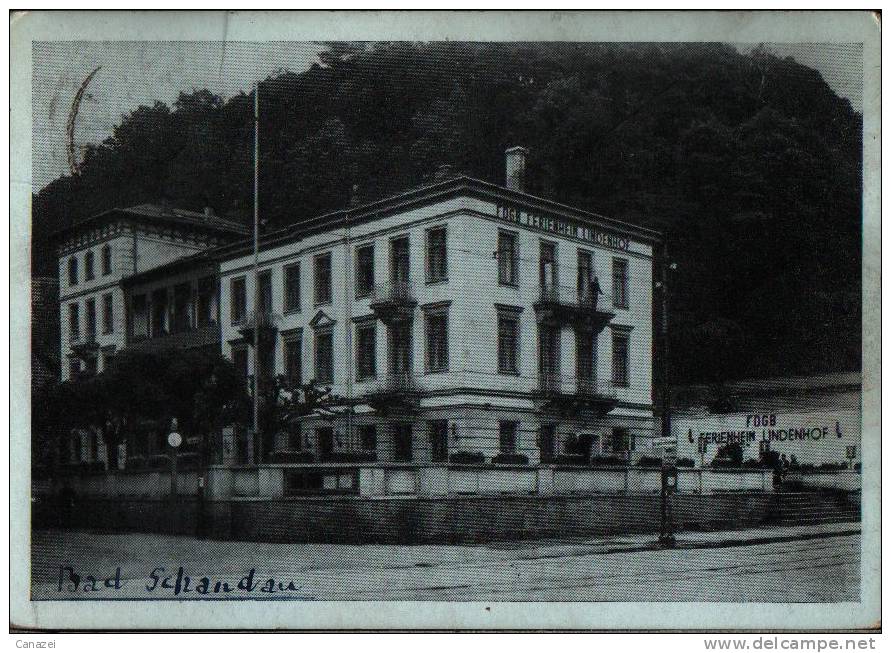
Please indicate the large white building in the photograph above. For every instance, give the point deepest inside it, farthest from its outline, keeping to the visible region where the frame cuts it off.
(456, 318)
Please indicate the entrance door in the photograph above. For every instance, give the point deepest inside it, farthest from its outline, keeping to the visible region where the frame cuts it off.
(326, 442)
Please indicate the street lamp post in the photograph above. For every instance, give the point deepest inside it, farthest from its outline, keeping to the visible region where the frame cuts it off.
(174, 440)
(669, 462)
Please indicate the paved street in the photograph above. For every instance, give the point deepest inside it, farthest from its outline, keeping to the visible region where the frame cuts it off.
(806, 563)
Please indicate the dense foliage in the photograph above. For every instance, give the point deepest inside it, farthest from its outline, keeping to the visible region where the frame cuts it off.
(749, 163)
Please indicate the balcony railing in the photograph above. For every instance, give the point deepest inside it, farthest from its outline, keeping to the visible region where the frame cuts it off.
(395, 391)
(577, 393)
(189, 339)
(394, 301)
(265, 322)
(561, 305)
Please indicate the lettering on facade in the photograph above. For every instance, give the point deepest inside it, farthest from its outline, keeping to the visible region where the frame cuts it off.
(746, 437)
(561, 226)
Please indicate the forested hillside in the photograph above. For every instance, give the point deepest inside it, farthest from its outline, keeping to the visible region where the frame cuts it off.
(750, 164)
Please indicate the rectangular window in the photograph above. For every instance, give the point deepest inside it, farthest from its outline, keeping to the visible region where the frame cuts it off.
(620, 283)
(620, 359)
(91, 320)
(89, 271)
(139, 319)
(585, 275)
(106, 260)
(74, 321)
(549, 354)
(292, 288)
(508, 257)
(265, 280)
(621, 441)
(205, 300)
(437, 259)
(584, 355)
(402, 446)
(72, 271)
(324, 356)
(437, 328)
(238, 299)
(325, 438)
(240, 360)
(322, 279)
(368, 437)
(507, 437)
(508, 343)
(399, 260)
(400, 347)
(547, 265)
(439, 434)
(364, 271)
(107, 314)
(294, 360)
(366, 350)
(547, 442)
(159, 312)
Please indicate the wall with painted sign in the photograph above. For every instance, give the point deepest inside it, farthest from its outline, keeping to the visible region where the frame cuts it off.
(813, 437)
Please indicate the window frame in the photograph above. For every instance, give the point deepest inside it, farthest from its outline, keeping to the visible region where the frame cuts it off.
(321, 332)
(235, 318)
(369, 324)
(89, 304)
(544, 243)
(621, 335)
(264, 283)
(89, 266)
(515, 258)
(430, 276)
(317, 259)
(438, 428)
(74, 321)
(73, 271)
(619, 262)
(513, 431)
(106, 260)
(435, 313)
(287, 295)
(362, 292)
(398, 430)
(288, 341)
(107, 313)
(508, 313)
(368, 432)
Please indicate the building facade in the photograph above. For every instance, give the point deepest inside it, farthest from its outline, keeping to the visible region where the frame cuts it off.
(459, 322)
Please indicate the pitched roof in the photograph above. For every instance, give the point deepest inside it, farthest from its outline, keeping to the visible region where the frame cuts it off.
(158, 213)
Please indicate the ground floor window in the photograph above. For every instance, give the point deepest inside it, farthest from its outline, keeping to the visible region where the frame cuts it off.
(547, 442)
(622, 441)
(507, 437)
(325, 437)
(439, 433)
(368, 437)
(295, 438)
(402, 445)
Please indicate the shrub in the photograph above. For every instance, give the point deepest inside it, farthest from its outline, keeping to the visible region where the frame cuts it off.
(467, 458)
(610, 461)
(833, 466)
(290, 456)
(685, 462)
(511, 459)
(570, 459)
(649, 461)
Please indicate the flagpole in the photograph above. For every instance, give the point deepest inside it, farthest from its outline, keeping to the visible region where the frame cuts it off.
(256, 329)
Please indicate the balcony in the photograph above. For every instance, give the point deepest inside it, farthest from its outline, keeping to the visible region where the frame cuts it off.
(567, 305)
(581, 394)
(396, 392)
(204, 336)
(83, 345)
(265, 322)
(394, 302)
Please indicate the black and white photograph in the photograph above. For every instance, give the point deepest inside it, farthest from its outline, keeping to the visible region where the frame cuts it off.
(582, 319)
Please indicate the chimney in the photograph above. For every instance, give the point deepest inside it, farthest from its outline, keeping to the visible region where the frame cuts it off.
(442, 173)
(515, 168)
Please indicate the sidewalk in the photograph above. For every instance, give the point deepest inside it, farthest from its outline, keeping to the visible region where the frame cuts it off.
(694, 539)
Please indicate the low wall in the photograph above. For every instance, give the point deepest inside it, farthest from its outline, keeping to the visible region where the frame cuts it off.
(848, 480)
(463, 518)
